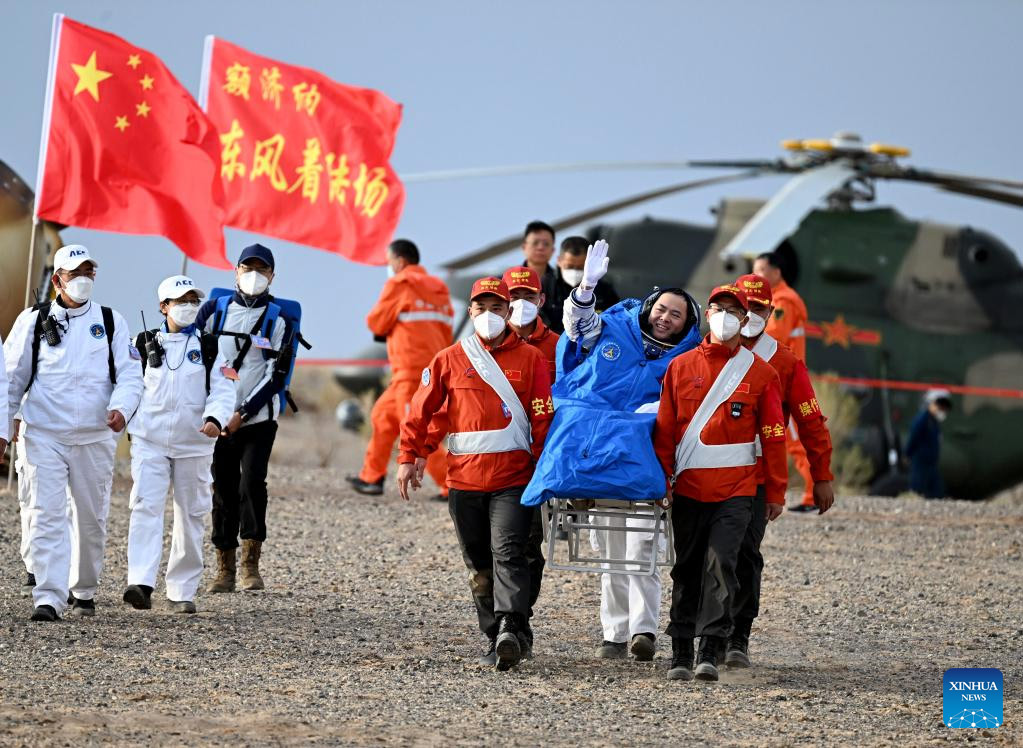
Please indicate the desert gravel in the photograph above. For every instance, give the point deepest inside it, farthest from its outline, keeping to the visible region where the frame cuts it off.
(366, 635)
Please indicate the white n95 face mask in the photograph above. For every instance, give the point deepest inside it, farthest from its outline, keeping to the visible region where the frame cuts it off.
(488, 325)
(183, 314)
(572, 277)
(252, 283)
(523, 312)
(79, 289)
(754, 326)
(390, 271)
(724, 325)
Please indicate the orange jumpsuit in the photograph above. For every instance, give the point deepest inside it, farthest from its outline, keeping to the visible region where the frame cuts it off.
(472, 405)
(414, 314)
(788, 326)
(686, 382)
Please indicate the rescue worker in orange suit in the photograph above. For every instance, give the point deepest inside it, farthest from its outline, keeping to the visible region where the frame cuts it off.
(414, 315)
(716, 400)
(799, 401)
(527, 298)
(787, 325)
(497, 393)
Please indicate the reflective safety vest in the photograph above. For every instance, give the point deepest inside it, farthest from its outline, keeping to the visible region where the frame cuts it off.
(514, 436)
(691, 452)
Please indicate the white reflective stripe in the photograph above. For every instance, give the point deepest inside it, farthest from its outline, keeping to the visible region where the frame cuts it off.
(425, 317)
(797, 332)
(759, 447)
(691, 452)
(766, 347)
(516, 435)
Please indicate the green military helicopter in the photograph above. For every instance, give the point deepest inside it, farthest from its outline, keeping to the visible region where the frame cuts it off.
(896, 305)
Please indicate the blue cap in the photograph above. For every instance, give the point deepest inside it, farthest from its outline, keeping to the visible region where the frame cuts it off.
(259, 252)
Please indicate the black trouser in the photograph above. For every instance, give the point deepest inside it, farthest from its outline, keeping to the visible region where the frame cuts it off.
(239, 484)
(493, 531)
(749, 569)
(707, 540)
(535, 559)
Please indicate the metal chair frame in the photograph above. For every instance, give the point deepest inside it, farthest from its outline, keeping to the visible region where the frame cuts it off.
(560, 512)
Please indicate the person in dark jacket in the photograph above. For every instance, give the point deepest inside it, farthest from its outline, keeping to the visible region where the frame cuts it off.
(566, 276)
(924, 445)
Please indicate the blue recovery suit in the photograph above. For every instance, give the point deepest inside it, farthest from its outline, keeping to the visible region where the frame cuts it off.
(598, 446)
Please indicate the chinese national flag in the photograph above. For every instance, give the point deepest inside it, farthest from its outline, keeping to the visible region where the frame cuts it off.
(303, 158)
(126, 148)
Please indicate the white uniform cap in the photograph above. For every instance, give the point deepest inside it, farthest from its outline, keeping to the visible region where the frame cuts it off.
(177, 286)
(937, 394)
(71, 256)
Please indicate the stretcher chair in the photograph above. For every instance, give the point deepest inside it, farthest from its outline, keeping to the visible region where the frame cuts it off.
(574, 515)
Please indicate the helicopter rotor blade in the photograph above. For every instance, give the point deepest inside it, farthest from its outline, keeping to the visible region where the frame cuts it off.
(510, 242)
(762, 164)
(444, 175)
(985, 193)
(782, 214)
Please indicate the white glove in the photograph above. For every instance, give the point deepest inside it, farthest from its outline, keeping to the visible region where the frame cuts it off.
(596, 265)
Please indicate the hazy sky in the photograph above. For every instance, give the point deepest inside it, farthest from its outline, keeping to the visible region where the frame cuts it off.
(487, 83)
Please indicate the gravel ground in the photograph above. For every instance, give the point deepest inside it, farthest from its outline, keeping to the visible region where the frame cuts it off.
(366, 635)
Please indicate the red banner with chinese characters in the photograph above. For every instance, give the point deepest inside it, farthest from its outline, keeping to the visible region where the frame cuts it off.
(126, 148)
(303, 158)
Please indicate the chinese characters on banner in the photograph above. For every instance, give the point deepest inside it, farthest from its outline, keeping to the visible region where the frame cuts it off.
(303, 158)
(125, 146)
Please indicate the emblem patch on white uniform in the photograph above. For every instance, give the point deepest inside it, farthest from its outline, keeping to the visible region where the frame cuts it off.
(97, 331)
(134, 354)
(610, 351)
(426, 377)
(194, 356)
(506, 410)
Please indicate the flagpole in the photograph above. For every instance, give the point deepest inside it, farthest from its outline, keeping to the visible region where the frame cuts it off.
(51, 74)
(204, 88)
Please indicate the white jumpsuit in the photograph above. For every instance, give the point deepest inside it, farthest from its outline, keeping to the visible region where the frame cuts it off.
(168, 451)
(66, 444)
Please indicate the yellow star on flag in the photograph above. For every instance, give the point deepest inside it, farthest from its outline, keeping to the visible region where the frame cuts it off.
(134, 61)
(146, 82)
(122, 124)
(143, 109)
(89, 77)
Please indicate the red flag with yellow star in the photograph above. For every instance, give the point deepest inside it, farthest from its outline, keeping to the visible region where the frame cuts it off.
(126, 148)
(303, 158)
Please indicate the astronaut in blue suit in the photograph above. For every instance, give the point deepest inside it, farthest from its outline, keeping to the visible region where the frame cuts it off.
(614, 363)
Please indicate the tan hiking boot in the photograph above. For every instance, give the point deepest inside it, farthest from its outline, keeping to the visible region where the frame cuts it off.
(250, 565)
(226, 569)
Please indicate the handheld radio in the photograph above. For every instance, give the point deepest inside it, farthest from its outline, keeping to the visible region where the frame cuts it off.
(154, 353)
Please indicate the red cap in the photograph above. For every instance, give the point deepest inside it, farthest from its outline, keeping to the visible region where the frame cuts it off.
(756, 288)
(522, 277)
(490, 285)
(734, 291)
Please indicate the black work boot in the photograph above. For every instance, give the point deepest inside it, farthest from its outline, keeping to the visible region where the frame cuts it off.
(45, 613)
(526, 641)
(138, 596)
(711, 649)
(681, 659)
(489, 658)
(364, 487)
(28, 585)
(644, 647)
(509, 649)
(737, 651)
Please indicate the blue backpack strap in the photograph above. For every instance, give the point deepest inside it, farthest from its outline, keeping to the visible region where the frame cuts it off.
(220, 313)
(273, 312)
